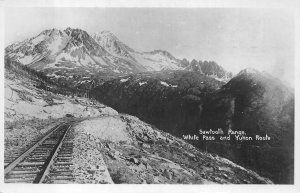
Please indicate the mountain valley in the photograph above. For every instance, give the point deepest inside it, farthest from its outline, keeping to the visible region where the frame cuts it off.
(132, 109)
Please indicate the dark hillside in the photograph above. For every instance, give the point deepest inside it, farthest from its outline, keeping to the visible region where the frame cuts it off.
(259, 105)
(182, 102)
(170, 100)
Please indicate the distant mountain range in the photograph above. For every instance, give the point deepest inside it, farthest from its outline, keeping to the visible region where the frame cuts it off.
(76, 57)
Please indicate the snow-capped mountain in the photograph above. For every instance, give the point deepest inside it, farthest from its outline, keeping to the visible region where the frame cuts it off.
(73, 53)
(73, 56)
(68, 49)
(113, 45)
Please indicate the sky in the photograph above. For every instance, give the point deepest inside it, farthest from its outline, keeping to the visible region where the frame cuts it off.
(234, 38)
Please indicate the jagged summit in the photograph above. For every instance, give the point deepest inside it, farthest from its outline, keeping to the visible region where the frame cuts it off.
(74, 31)
(208, 68)
(80, 37)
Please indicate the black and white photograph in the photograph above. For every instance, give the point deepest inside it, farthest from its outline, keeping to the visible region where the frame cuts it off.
(149, 95)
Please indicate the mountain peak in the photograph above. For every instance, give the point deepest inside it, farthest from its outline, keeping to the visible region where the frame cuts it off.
(74, 48)
(79, 37)
(112, 44)
(74, 31)
(248, 71)
(105, 35)
(54, 32)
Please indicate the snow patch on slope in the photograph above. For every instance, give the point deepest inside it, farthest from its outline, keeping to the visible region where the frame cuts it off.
(124, 79)
(168, 85)
(26, 60)
(56, 45)
(142, 83)
(86, 60)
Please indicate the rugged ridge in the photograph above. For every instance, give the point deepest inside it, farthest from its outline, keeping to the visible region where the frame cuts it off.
(209, 68)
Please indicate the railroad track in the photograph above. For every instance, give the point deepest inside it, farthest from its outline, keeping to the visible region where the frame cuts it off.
(48, 161)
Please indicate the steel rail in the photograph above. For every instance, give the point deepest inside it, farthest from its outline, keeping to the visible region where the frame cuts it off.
(13, 164)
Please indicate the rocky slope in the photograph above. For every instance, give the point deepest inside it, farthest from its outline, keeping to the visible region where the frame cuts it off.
(24, 100)
(137, 153)
(183, 102)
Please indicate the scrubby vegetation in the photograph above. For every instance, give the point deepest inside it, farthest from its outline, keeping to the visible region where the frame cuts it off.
(182, 102)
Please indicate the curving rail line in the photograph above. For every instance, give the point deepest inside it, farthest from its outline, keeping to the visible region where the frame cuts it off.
(47, 161)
